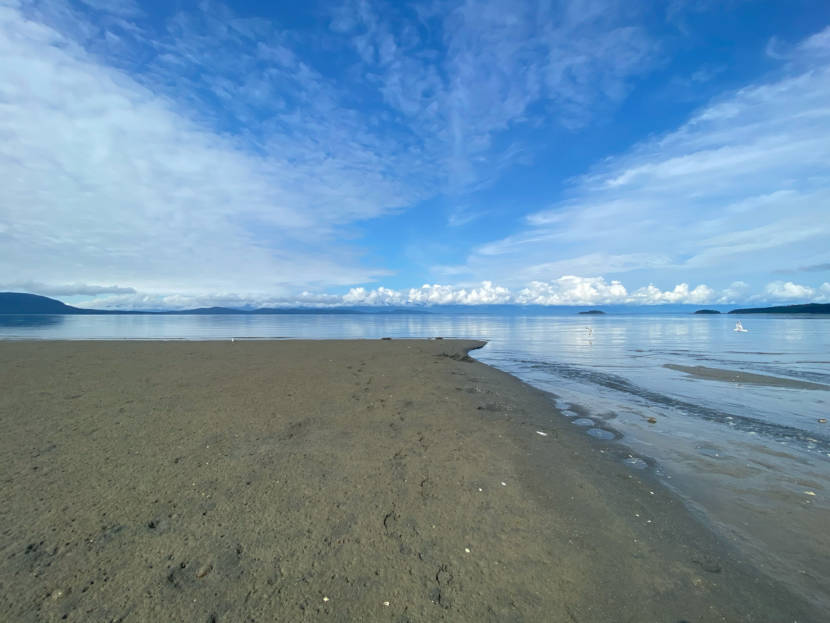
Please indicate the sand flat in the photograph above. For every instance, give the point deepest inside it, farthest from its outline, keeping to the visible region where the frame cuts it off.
(737, 376)
(332, 480)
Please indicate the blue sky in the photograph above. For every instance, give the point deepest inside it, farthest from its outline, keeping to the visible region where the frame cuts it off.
(173, 154)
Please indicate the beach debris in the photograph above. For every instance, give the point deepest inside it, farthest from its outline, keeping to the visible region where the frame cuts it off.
(812, 493)
(480, 489)
(652, 420)
(503, 484)
(466, 550)
(325, 598)
(385, 603)
(542, 433)
(57, 594)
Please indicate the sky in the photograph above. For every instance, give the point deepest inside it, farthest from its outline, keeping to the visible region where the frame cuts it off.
(565, 152)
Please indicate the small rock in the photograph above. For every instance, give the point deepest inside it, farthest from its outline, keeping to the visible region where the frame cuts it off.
(57, 594)
(204, 570)
(652, 420)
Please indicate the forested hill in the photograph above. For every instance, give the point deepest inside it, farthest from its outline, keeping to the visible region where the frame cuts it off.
(809, 308)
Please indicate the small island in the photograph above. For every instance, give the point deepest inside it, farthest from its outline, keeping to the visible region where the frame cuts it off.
(809, 308)
(707, 311)
(592, 312)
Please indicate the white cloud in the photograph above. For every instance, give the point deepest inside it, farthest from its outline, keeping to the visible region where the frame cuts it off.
(208, 153)
(741, 188)
(650, 295)
(789, 291)
(572, 59)
(156, 301)
(736, 292)
(566, 290)
(430, 294)
(123, 8)
(818, 44)
(571, 290)
(102, 179)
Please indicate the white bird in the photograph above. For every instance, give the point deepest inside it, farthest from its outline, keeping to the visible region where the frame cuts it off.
(740, 328)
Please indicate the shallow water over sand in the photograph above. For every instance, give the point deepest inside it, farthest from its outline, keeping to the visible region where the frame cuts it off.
(752, 456)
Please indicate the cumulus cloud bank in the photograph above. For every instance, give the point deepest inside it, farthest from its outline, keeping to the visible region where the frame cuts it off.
(566, 290)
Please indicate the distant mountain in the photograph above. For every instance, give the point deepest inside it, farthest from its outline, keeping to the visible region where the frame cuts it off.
(809, 308)
(264, 311)
(33, 304)
(707, 311)
(592, 312)
(18, 303)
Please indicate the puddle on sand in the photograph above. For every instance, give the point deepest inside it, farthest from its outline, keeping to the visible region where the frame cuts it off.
(635, 462)
(601, 433)
(583, 421)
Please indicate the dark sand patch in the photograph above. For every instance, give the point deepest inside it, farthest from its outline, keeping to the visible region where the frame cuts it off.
(306, 481)
(736, 376)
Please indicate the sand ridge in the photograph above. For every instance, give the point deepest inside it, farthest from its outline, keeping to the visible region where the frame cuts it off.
(393, 480)
(750, 378)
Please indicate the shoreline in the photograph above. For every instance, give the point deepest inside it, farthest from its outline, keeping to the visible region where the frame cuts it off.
(324, 478)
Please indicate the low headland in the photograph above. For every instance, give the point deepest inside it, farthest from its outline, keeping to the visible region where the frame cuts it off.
(383, 480)
(809, 308)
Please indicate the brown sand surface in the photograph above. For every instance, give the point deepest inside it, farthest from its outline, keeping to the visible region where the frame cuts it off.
(736, 376)
(332, 481)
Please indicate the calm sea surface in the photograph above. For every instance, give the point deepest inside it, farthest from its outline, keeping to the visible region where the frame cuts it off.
(754, 459)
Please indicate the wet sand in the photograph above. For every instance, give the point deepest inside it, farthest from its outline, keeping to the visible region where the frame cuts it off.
(332, 480)
(736, 376)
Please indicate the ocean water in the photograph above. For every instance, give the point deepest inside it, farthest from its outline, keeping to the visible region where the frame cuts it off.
(752, 458)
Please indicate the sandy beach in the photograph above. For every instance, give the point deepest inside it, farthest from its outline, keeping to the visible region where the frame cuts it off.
(383, 480)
